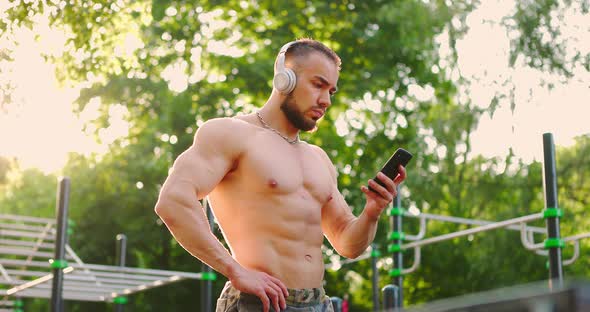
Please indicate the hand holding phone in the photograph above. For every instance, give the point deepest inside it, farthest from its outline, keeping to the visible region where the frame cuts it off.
(390, 169)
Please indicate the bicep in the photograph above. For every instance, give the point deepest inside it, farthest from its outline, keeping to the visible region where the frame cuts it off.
(200, 168)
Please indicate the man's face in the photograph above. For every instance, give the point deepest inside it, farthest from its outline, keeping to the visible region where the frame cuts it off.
(317, 77)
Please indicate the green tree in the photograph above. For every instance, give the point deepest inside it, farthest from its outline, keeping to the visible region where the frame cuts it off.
(170, 65)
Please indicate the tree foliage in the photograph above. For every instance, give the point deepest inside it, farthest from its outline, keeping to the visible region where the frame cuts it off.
(167, 66)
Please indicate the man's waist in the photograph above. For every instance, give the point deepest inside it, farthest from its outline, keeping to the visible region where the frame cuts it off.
(294, 274)
(298, 297)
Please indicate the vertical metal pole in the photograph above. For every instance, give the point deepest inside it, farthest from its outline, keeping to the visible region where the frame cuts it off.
(552, 222)
(398, 258)
(207, 285)
(58, 264)
(390, 298)
(374, 258)
(121, 256)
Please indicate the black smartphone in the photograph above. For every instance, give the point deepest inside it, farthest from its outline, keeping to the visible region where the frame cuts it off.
(400, 157)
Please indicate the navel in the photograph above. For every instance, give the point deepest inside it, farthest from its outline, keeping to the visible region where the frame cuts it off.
(308, 258)
(329, 198)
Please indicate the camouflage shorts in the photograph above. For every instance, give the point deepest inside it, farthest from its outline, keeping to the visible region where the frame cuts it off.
(299, 300)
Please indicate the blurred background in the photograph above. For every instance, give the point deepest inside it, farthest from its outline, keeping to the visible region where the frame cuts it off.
(108, 93)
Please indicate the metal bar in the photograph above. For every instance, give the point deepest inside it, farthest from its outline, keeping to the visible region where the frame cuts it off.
(416, 264)
(421, 232)
(74, 256)
(207, 285)
(46, 293)
(576, 237)
(90, 288)
(136, 278)
(4, 273)
(390, 298)
(575, 255)
(77, 276)
(121, 252)
(106, 282)
(398, 256)
(375, 279)
(14, 242)
(25, 252)
(120, 282)
(36, 282)
(21, 234)
(27, 219)
(107, 269)
(85, 271)
(531, 238)
(63, 195)
(17, 226)
(474, 230)
(459, 220)
(524, 239)
(551, 202)
(48, 228)
(154, 284)
(76, 285)
(26, 272)
(20, 262)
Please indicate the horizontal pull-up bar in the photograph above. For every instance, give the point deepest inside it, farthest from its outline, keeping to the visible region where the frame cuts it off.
(35, 282)
(474, 230)
(27, 219)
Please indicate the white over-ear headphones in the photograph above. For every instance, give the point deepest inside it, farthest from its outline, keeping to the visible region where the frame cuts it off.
(284, 80)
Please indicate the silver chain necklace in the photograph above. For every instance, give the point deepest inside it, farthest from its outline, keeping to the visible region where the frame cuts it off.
(294, 141)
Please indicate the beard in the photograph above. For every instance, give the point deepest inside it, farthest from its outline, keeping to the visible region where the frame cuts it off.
(296, 116)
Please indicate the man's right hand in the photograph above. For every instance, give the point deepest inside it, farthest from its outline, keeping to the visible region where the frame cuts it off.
(267, 288)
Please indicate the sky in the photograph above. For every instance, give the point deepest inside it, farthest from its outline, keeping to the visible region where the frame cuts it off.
(40, 129)
(563, 111)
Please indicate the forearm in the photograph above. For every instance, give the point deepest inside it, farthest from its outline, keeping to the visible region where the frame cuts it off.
(190, 228)
(357, 235)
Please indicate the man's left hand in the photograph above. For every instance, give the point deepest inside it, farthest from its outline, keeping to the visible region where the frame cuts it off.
(378, 199)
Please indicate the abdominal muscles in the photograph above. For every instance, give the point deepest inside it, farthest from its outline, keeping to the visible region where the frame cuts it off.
(279, 234)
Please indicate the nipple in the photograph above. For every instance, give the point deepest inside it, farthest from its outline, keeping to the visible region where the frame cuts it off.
(273, 183)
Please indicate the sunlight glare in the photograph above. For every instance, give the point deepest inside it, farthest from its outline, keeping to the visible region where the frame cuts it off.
(39, 127)
(562, 111)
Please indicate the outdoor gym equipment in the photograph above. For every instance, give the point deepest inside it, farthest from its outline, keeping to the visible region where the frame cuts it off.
(34, 251)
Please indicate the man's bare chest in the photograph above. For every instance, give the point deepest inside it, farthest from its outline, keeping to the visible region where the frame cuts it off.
(285, 170)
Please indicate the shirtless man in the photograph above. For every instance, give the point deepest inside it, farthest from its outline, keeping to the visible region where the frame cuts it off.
(274, 196)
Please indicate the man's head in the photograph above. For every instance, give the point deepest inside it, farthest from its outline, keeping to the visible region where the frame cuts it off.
(315, 68)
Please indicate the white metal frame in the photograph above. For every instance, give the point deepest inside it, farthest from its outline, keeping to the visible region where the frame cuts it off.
(517, 224)
(26, 246)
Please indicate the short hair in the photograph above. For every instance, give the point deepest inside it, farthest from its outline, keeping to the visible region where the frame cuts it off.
(304, 46)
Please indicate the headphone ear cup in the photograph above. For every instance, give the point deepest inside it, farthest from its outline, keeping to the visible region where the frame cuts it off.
(281, 81)
(292, 80)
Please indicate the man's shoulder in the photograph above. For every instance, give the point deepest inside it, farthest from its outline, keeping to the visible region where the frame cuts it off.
(318, 150)
(324, 156)
(224, 126)
(223, 131)
(221, 123)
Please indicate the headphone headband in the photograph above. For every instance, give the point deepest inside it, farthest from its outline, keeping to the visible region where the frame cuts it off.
(282, 55)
